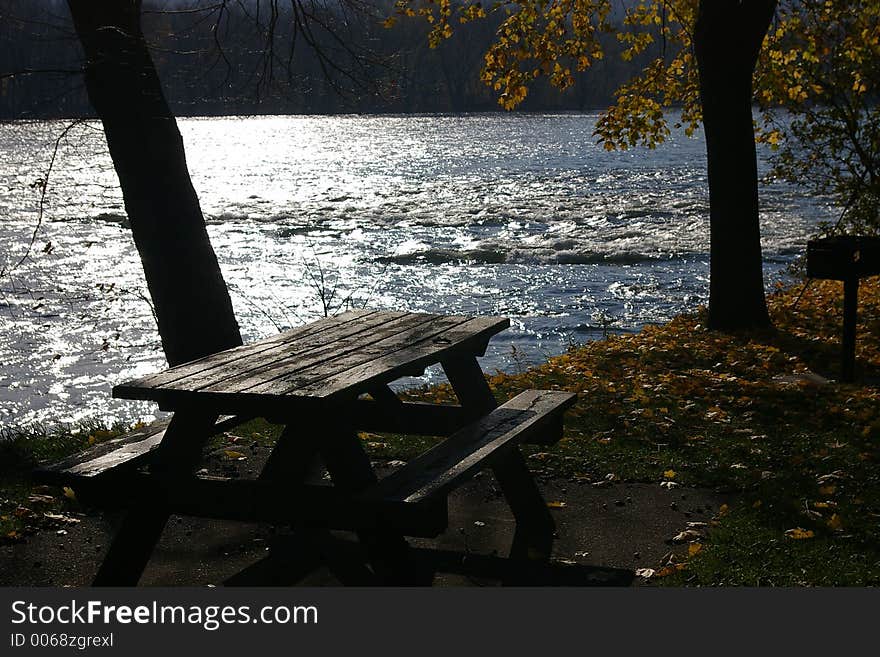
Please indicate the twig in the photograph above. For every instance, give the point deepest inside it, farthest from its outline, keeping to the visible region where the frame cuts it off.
(238, 291)
(44, 184)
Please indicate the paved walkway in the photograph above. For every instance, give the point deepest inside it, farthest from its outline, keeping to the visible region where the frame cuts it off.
(619, 526)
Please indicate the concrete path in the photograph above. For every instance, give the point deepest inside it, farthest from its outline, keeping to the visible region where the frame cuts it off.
(608, 531)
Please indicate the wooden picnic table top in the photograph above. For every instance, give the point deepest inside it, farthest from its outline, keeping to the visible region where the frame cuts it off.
(330, 360)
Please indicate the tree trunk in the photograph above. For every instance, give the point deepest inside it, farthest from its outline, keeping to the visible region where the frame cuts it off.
(190, 298)
(727, 39)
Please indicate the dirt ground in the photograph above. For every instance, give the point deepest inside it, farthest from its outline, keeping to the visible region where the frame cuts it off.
(604, 534)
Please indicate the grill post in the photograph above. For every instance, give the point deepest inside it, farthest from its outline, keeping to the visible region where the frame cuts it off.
(850, 316)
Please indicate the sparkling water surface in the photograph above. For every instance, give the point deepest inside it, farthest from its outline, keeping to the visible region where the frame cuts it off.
(519, 215)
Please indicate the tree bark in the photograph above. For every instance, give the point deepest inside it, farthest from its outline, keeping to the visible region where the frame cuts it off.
(727, 39)
(190, 297)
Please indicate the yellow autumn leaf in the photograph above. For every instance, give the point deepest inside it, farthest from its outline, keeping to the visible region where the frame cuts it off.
(69, 494)
(694, 548)
(669, 474)
(232, 455)
(799, 533)
(835, 523)
(670, 570)
(556, 505)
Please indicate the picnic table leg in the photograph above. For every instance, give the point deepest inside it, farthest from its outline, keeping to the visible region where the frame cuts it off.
(294, 458)
(533, 537)
(142, 525)
(350, 468)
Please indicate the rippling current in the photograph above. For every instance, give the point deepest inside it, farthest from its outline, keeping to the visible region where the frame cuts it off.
(517, 215)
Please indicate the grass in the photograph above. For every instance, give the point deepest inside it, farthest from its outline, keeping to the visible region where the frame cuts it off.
(676, 403)
(25, 507)
(745, 414)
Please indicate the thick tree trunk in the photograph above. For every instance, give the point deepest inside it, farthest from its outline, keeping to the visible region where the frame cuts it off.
(189, 295)
(727, 39)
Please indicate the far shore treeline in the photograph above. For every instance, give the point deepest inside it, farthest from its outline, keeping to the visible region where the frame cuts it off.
(227, 66)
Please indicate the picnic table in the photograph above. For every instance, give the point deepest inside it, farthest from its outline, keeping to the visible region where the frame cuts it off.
(324, 382)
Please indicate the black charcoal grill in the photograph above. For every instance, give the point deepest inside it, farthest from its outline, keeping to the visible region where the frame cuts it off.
(846, 258)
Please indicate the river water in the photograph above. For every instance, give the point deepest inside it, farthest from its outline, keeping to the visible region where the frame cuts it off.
(519, 215)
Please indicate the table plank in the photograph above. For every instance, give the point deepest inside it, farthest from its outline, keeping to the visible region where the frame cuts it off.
(345, 355)
(401, 341)
(324, 329)
(245, 374)
(358, 378)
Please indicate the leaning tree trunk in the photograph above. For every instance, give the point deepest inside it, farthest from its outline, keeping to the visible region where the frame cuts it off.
(190, 298)
(727, 39)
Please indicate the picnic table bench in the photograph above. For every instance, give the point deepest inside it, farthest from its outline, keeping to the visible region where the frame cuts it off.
(324, 382)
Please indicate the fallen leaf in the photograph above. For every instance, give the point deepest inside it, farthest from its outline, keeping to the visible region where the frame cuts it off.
(669, 474)
(647, 573)
(232, 455)
(835, 523)
(828, 490)
(670, 570)
(69, 494)
(694, 548)
(687, 535)
(837, 475)
(799, 533)
(61, 518)
(556, 505)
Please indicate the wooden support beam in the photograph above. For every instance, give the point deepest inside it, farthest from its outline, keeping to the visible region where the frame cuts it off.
(283, 502)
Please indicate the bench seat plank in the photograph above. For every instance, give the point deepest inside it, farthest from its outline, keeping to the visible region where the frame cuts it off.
(123, 453)
(440, 469)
